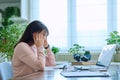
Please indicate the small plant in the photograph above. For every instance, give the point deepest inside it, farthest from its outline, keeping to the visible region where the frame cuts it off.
(76, 49)
(55, 49)
(114, 38)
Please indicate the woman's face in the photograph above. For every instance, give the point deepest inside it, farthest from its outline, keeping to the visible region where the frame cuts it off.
(43, 34)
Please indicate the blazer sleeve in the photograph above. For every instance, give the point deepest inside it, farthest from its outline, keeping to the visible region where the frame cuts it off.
(50, 59)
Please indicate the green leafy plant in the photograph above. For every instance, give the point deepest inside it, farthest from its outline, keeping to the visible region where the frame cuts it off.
(9, 31)
(55, 49)
(8, 38)
(114, 38)
(76, 49)
(7, 13)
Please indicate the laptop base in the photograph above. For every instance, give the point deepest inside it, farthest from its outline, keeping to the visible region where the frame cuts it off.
(85, 74)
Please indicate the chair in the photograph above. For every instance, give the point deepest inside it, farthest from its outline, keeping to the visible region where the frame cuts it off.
(6, 71)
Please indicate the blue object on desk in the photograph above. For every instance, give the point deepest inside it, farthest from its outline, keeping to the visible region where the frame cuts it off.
(86, 57)
(77, 57)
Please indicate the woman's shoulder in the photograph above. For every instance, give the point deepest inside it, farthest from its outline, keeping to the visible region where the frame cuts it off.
(22, 45)
(22, 49)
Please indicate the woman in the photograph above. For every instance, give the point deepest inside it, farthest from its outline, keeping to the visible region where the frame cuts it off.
(29, 54)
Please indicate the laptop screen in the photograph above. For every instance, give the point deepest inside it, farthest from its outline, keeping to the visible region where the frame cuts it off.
(106, 55)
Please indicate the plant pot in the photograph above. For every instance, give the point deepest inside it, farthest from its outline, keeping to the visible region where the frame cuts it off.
(117, 57)
(86, 57)
(77, 57)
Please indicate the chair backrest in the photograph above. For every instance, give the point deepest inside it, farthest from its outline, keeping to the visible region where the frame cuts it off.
(6, 70)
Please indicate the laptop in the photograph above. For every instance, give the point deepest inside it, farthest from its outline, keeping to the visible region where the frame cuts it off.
(98, 70)
(104, 58)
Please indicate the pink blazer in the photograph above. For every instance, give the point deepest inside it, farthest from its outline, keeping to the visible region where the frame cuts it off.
(26, 60)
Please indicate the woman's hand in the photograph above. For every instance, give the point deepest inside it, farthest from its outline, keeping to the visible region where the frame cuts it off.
(38, 39)
(45, 42)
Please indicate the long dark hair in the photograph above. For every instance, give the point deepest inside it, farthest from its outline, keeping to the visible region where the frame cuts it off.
(35, 26)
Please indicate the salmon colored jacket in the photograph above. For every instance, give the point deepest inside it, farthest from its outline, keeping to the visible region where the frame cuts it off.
(27, 60)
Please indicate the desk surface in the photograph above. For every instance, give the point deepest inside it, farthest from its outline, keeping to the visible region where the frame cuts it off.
(54, 74)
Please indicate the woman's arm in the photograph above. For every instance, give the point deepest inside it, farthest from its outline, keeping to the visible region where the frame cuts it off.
(50, 58)
(27, 56)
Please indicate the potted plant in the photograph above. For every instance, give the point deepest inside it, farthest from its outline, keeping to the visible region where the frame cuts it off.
(7, 13)
(55, 49)
(114, 38)
(8, 38)
(76, 50)
(9, 31)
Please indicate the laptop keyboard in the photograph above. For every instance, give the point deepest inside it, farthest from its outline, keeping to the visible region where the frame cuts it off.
(90, 67)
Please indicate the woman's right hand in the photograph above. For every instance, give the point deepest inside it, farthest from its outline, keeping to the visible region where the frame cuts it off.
(38, 39)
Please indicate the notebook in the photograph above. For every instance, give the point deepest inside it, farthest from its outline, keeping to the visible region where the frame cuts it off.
(104, 59)
(98, 70)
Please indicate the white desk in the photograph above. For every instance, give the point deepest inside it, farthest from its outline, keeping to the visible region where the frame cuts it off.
(54, 74)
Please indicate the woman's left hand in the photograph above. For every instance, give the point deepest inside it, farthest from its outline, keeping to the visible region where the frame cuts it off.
(45, 43)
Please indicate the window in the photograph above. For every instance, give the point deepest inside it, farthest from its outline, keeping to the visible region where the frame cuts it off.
(53, 13)
(91, 23)
(118, 15)
(86, 22)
